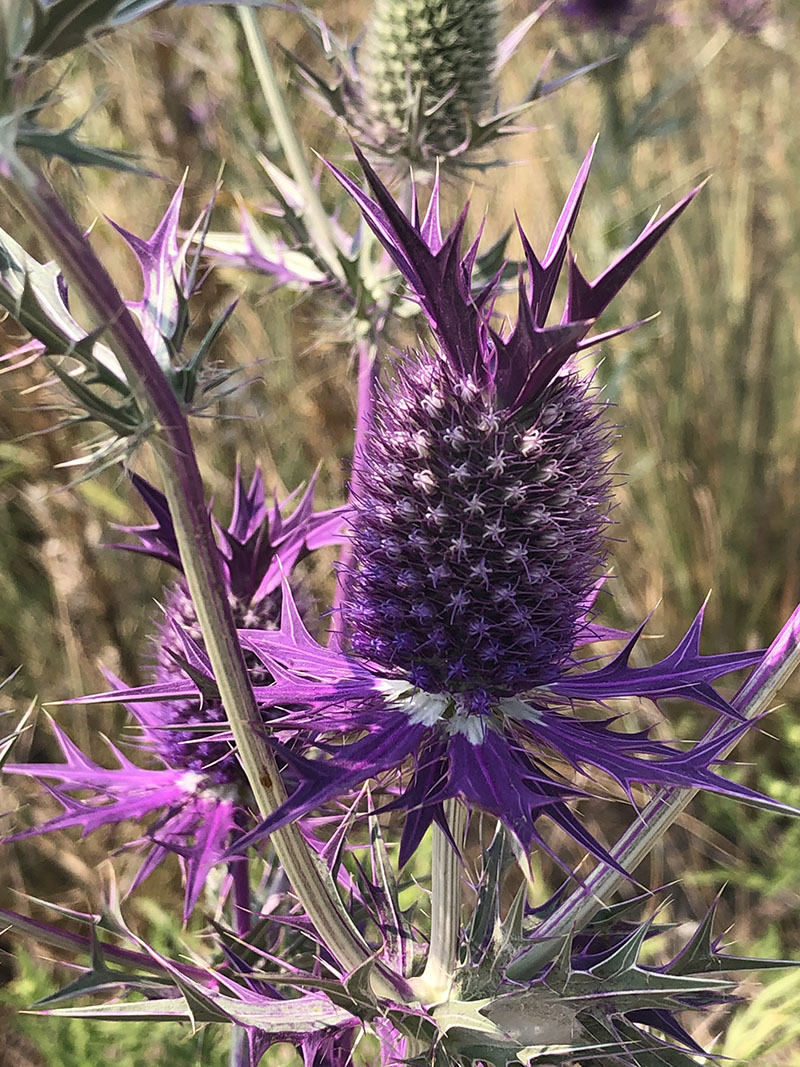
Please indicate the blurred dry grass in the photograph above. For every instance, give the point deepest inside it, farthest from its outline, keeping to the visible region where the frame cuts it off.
(708, 395)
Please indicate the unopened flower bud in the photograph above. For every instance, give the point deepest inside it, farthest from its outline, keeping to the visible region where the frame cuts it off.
(428, 70)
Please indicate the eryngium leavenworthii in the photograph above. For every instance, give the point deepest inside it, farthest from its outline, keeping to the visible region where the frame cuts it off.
(479, 514)
(429, 70)
(195, 800)
(483, 489)
(478, 534)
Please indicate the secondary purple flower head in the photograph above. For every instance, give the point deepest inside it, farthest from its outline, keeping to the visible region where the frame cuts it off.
(480, 504)
(195, 799)
(259, 546)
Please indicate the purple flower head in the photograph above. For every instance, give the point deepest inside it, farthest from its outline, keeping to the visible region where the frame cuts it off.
(484, 491)
(630, 18)
(478, 530)
(478, 521)
(198, 797)
(259, 545)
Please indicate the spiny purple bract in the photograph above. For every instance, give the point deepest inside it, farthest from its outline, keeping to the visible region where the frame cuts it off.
(478, 533)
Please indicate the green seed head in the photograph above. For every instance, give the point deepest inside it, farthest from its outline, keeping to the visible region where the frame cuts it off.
(428, 69)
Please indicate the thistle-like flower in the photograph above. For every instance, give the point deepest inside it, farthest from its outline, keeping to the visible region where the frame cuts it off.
(198, 799)
(477, 550)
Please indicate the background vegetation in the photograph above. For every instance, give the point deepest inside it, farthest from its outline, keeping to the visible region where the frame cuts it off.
(708, 395)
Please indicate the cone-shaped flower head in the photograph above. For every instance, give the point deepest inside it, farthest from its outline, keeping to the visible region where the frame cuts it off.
(429, 65)
(422, 86)
(478, 530)
(483, 490)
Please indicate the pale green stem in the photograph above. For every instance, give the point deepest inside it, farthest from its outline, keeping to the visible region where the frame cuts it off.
(319, 227)
(434, 983)
(753, 699)
(171, 443)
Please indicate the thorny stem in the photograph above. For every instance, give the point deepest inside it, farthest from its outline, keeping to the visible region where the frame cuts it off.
(309, 879)
(434, 983)
(753, 699)
(320, 227)
(172, 445)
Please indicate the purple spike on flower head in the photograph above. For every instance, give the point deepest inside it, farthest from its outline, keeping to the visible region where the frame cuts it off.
(484, 492)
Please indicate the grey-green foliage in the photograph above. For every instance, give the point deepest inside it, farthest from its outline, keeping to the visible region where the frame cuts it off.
(430, 64)
(90, 1043)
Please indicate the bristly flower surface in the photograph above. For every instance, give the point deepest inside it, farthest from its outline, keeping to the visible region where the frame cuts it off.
(478, 546)
(198, 799)
(430, 63)
(422, 87)
(479, 531)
